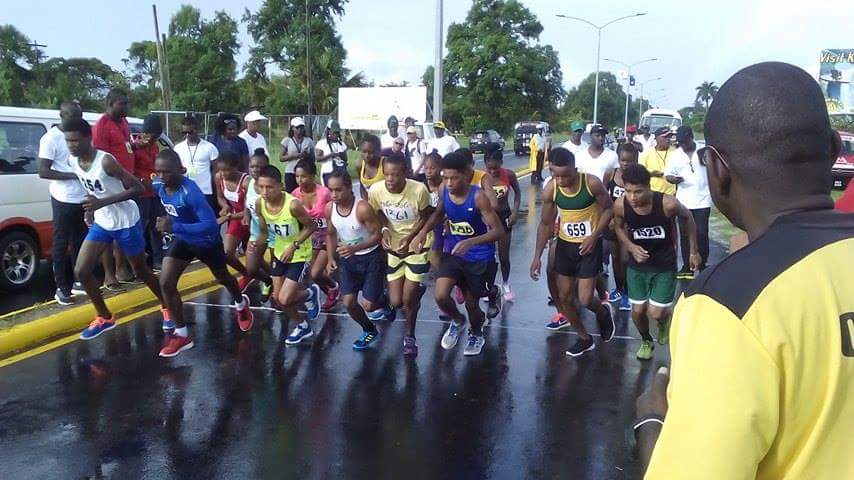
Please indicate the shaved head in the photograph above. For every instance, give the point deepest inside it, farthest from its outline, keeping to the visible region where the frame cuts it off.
(770, 123)
(70, 109)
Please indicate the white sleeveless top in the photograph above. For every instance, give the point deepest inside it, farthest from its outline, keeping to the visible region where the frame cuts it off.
(99, 184)
(252, 198)
(350, 230)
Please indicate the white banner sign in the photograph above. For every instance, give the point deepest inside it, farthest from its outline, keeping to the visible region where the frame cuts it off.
(369, 108)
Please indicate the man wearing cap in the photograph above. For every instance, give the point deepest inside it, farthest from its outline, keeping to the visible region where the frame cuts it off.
(253, 138)
(330, 152)
(387, 139)
(596, 159)
(295, 147)
(647, 140)
(443, 144)
(686, 171)
(631, 133)
(415, 149)
(656, 159)
(575, 143)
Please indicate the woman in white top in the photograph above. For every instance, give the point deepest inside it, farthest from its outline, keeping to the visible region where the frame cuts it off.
(295, 147)
(330, 152)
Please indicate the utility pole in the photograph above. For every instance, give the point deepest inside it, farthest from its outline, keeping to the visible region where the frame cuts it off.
(437, 66)
(308, 61)
(164, 97)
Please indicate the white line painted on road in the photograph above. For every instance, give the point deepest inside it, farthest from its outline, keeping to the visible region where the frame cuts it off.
(428, 320)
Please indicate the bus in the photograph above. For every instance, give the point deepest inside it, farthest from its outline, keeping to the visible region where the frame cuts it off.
(660, 117)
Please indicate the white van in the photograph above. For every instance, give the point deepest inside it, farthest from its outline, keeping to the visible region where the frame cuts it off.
(26, 227)
(660, 117)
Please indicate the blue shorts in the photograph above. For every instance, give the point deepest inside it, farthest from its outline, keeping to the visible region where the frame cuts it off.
(365, 273)
(130, 240)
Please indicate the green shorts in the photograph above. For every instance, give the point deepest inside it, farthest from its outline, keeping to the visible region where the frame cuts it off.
(657, 288)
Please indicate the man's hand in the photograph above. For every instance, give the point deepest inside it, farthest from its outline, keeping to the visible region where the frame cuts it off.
(656, 173)
(695, 260)
(404, 246)
(462, 247)
(386, 242)
(344, 251)
(163, 225)
(536, 265)
(638, 253)
(417, 242)
(654, 400)
(512, 219)
(332, 266)
(89, 218)
(92, 203)
(288, 254)
(587, 245)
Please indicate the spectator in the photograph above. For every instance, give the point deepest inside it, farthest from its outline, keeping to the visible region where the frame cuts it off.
(387, 139)
(147, 148)
(647, 140)
(295, 147)
(251, 135)
(655, 160)
(688, 173)
(66, 197)
(227, 140)
(198, 156)
(444, 143)
(415, 149)
(631, 134)
(575, 143)
(330, 152)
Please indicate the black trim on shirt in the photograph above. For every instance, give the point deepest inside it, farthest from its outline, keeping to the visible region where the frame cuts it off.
(738, 280)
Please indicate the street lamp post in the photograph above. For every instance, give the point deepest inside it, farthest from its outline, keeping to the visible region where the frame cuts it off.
(628, 83)
(640, 104)
(437, 67)
(598, 51)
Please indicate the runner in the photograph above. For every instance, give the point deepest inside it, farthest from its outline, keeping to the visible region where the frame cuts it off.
(469, 249)
(192, 223)
(644, 223)
(231, 187)
(280, 212)
(584, 210)
(112, 217)
(504, 180)
(372, 164)
(352, 245)
(256, 265)
(433, 181)
(628, 155)
(404, 206)
(314, 199)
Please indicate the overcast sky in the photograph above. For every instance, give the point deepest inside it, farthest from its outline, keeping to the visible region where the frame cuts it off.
(694, 41)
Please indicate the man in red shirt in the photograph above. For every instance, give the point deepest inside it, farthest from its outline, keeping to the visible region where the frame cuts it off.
(112, 135)
(146, 149)
(846, 201)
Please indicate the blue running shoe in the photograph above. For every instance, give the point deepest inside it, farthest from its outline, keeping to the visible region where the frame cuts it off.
(298, 334)
(625, 305)
(615, 295)
(365, 340)
(376, 315)
(312, 305)
(558, 322)
(97, 327)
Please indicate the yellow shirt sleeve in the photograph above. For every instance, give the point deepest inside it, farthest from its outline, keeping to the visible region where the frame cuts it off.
(423, 200)
(724, 397)
(373, 198)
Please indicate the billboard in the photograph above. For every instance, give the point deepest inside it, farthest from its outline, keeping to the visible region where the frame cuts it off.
(369, 108)
(836, 77)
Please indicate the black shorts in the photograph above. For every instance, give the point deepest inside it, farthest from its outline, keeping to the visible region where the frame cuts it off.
(293, 271)
(609, 235)
(363, 273)
(569, 263)
(471, 277)
(213, 256)
(504, 215)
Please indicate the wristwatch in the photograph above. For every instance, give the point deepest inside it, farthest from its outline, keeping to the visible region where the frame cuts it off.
(297, 244)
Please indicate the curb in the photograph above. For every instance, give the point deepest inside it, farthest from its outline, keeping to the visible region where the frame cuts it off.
(29, 335)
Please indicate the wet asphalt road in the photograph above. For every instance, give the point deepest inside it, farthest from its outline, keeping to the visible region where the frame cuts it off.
(244, 406)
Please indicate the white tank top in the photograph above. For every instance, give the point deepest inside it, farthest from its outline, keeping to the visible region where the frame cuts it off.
(350, 230)
(99, 184)
(252, 198)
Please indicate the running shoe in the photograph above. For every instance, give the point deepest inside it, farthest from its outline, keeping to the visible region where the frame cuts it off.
(664, 333)
(606, 326)
(390, 314)
(168, 324)
(266, 288)
(508, 294)
(244, 282)
(452, 336)
(559, 322)
(474, 345)
(97, 327)
(444, 316)
(581, 346)
(645, 350)
(685, 274)
(245, 318)
(63, 298)
(495, 299)
(299, 334)
(77, 289)
(410, 348)
(365, 340)
(615, 295)
(132, 281)
(175, 344)
(459, 297)
(312, 304)
(115, 287)
(625, 304)
(331, 299)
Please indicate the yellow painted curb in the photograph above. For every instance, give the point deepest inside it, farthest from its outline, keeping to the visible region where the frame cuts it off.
(31, 334)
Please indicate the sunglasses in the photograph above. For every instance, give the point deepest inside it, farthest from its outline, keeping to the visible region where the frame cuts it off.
(701, 153)
(185, 133)
(300, 126)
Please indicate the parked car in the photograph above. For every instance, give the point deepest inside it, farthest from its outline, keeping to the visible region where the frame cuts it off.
(522, 133)
(26, 226)
(481, 138)
(843, 169)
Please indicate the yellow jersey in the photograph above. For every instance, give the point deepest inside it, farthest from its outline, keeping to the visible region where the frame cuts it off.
(578, 212)
(284, 227)
(401, 209)
(378, 177)
(762, 348)
(656, 161)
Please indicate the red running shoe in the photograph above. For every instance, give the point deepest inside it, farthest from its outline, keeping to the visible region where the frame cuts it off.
(245, 319)
(331, 298)
(175, 344)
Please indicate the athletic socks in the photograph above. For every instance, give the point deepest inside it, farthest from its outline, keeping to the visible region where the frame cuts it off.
(182, 332)
(646, 336)
(304, 324)
(241, 304)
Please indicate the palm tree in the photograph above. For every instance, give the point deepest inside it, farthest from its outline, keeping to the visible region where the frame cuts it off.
(706, 92)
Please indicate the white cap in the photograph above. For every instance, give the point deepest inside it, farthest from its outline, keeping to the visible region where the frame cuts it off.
(297, 122)
(254, 116)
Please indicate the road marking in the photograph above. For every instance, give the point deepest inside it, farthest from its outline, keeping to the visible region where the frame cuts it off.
(492, 323)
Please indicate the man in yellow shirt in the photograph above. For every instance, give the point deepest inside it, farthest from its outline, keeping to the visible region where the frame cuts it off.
(762, 375)
(655, 160)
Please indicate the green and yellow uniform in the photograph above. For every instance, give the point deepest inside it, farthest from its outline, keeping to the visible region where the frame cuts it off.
(285, 227)
(578, 217)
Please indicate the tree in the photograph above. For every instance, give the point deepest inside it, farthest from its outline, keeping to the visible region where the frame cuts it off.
(496, 73)
(278, 29)
(17, 59)
(86, 80)
(706, 92)
(612, 101)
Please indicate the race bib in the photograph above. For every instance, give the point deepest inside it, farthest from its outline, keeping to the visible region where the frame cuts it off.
(434, 199)
(282, 230)
(618, 191)
(320, 222)
(462, 229)
(170, 209)
(129, 147)
(649, 233)
(577, 229)
(399, 214)
(500, 191)
(92, 186)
